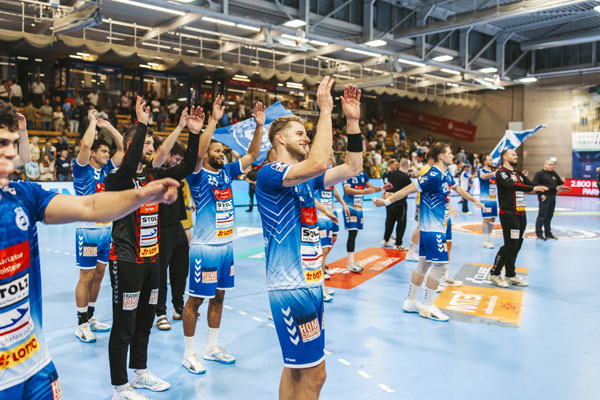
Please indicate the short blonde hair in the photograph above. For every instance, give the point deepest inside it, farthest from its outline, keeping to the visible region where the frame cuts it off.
(281, 123)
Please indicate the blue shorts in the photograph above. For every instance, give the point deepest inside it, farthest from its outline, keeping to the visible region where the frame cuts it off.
(211, 268)
(326, 232)
(354, 221)
(449, 230)
(42, 386)
(298, 319)
(490, 204)
(93, 246)
(432, 246)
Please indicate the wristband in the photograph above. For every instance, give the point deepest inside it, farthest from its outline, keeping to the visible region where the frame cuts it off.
(387, 202)
(355, 144)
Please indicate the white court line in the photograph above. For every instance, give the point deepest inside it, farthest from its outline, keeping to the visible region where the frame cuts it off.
(363, 374)
(57, 251)
(257, 319)
(227, 307)
(67, 253)
(242, 312)
(343, 361)
(386, 388)
(271, 325)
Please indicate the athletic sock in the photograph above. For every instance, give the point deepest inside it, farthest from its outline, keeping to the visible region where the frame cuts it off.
(140, 372)
(82, 315)
(122, 388)
(484, 228)
(350, 258)
(90, 309)
(414, 247)
(190, 346)
(413, 292)
(213, 338)
(429, 297)
(490, 228)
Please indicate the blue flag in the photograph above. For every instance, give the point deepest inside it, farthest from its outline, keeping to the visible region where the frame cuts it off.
(512, 140)
(238, 136)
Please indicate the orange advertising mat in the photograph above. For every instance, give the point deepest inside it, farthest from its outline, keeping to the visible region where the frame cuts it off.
(374, 261)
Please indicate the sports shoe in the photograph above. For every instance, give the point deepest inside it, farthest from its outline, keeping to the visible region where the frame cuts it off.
(326, 276)
(354, 267)
(434, 313)
(84, 333)
(385, 243)
(326, 296)
(270, 315)
(488, 245)
(449, 281)
(412, 306)
(498, 281)
(97, 326)
(219, 355)
(541, 238)
(192, 363)
(128, 394)
(162, 322)
(516, 281)
(412, 256)
(551, 236)
(330, 291)
(149, 381)
(329, 271)
(177, 315)
(400, 247)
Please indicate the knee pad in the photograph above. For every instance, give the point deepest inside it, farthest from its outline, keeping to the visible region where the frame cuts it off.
(422, 266)
(438, 270)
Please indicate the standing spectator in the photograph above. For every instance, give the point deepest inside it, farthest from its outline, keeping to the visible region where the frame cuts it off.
(112, 117)
(58, 119)
(63, 166)
(62, 143)
(402, 137)
(47, 171)
(547, 199)
(49, 150)
(161, 119)
(395, 213)
(396, 139)
(250, 177)
(15, 93)
(46, 113)
(155, 105)
(125, 103)
(30, 115)
(37, 92)
(4, 91)
(74, 118)
(32, 170)
(34, 148)
(93, 97)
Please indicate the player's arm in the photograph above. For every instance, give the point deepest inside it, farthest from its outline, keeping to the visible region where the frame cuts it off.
(340, 199)
(24, 153)
(117, 158)
(503, 180)
(350, 191)
(326, 211)
(165, 148)
(254, 148)
(108, 206)
(487, 175)
(353, 163)
(83, 158)
(318, 156)
(216, 115)
(466, 195)
(399, 195)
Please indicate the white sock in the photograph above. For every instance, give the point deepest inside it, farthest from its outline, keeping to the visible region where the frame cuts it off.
(82, 309)
(190, 346)
(490, 228)
(414, 247)
(413, 292)
(92, 304)
(350, 258)
(213, 338)
(429, 297)
(122, 388)
(484, 228)
(140, 372)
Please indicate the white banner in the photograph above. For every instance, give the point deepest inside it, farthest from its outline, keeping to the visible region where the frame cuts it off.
(586, 141)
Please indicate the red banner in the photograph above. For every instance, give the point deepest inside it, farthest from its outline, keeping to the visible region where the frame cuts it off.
(581, 187)
(443, 126)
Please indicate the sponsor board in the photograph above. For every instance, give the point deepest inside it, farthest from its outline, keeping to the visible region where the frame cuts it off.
(581, 187)
(374, 261)
(563, 233)
(479, 301)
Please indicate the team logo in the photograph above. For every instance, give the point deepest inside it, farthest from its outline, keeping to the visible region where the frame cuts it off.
(9, 189)
(130, 301)
(278, 166)
(21, 219)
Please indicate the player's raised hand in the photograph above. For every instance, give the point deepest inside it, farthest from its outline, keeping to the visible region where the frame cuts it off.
(22, 123)
(351, 102)
(324, 99)
(218, 108)
(142, 111)
(195, 121)
(183, 118)
(259, 113)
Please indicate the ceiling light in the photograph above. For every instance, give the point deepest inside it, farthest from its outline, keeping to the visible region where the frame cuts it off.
(488, 70)
(240, 76)
(296, 38)
(208, 81)
(114, 38)
(83, 54)
(75, 56)
(22, 58)
(318, 43)
(343, 76)
(488, 79)
(160, 46)
(184, 1)
(153, 64)
(280, 84)
(294, 23)
(145, 66)
(150, 7)
(409, 62)
(363, 52)
(294, 85)
(218, 21)
(450, 71)
(248, 27)
(237, 78)
(254, 62)
(376, 43)
(597, 8)
(192, 51)
(443, 58)
(38, 60)
(529, 79)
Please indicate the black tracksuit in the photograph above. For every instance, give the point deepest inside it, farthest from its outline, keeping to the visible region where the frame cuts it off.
(395, 213)
(511, 200)
(546, 207)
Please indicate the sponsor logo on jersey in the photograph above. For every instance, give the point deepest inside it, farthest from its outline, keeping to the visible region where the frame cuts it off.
(149, 208)
(309, 235)
(224, 220)
(226, 205)
(148, 220)
(89, 250)
(153, 297)
(99, 187)
(311, 256)
(278, 166)
(17, 355)
(56, 390)
(14, 259)
(309, 327)
(9, 189)
(15, 325)
(209, 275)
(130, 300)
(223, 233)
(21, 219)
(224, 194)
(15, 291)
(313, 276)
(148, 236)
(309, 216)
(149, 251)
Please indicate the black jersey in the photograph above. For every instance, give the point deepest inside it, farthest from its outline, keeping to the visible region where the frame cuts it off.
(512, 185)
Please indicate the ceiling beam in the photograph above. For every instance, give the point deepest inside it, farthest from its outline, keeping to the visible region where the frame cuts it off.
(332, 48)
(170, 24)
(564, 40)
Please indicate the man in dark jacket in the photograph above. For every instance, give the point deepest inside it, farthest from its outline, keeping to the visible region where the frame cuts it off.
(549, 178)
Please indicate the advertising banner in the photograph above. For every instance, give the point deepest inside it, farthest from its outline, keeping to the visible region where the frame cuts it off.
(433, 123)
(581, 187)
(586, 154)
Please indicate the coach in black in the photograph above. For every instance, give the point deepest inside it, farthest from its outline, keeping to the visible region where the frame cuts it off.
(395, 213)
(547, 199)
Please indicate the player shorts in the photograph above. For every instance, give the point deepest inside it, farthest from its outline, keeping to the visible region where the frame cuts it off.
(354, 221)
(298, 319)
(490, 204)
(211, 268)
(449, 230)
(42, 386)
(432, 246)
(93, 246)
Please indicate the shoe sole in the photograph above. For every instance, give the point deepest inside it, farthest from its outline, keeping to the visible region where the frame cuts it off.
(328, 300)
(147, 388)
(433, 319)
(219, 361)
(410, 311)
(101, 330)
(194, 372)
(85, 341)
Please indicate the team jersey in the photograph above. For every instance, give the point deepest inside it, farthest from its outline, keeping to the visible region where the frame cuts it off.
(290, 229)
(89, 180)
(358, 182)
(434, 187)
(424, 169)
(487, 187)
(23, 351)
(325, 197)
(213, 198)
(512, 186)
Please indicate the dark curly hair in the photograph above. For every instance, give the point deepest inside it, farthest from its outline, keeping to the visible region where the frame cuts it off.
(8, 116)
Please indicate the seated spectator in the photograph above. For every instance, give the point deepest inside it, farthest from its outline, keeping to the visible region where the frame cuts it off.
(47, 170)
(58, 119)
(63, 166)
(49, 150)
(46, 113)
(30, 115)
(34, 148)
(62, 143)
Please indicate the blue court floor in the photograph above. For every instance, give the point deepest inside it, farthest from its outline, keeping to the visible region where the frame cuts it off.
(374, 350)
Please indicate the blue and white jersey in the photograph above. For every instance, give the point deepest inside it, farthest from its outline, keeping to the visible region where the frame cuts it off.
(487, 187)
(325, 197)
(434, 187)
(23, 351)
(89, 180)
(213, 198)
(358, 182)
(290, 229)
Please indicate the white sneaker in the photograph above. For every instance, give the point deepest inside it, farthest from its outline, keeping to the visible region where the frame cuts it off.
(329, 290)
(326, 276)
(84, 333)
(400, 247)
(129, 394)
(488, 245)
(498, 281)
(383, 243)
(192, 363)
(449, 281)
(97, 326)
(329, 271)
(327, 297)
(412, 306)
(149, 381)
(434, 313)
(412, 256)
(162, 323)
(354, 267)
(219, 355)
(270, 315)
(516, 281)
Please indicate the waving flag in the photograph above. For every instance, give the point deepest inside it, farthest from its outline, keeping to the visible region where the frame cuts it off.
(512, 140)
(238, 136)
